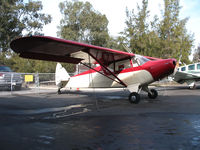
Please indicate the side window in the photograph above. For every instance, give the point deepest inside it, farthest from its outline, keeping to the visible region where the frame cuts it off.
(124, 64)
(121, 67)
(191, 67)
(135, 64)
(183, 69)
(198, 66)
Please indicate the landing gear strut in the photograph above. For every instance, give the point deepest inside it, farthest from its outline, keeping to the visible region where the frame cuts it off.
(134, 98)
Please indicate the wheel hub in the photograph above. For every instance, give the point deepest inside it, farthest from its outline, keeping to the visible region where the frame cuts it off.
(133, 98)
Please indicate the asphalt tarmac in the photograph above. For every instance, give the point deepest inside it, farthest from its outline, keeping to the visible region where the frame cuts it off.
(100, 119)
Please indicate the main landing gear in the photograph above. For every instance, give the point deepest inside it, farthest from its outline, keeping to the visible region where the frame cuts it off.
(134, 97)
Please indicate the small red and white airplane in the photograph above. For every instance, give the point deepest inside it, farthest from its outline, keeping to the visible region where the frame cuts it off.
(112, 68)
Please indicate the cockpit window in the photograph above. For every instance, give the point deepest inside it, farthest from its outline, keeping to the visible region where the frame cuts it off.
(198, 66)
(191, 67)
(140, 59)
(183, 69)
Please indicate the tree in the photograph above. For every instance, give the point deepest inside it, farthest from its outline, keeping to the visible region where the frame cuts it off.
(82, 23)
(21, 18)
(136, 32)
(19, 64)
(18, 17)
(196, 55)
(163, 38)
(175, 40)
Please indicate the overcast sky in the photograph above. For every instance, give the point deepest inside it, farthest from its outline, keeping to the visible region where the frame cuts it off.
(115, 12)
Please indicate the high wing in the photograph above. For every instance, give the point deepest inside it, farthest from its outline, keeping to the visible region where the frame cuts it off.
(60, 50)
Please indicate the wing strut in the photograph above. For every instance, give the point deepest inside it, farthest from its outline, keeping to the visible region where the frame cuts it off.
(99, 72)
(119, 81)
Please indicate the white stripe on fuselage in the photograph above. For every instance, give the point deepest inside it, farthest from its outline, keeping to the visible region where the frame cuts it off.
(97, 80)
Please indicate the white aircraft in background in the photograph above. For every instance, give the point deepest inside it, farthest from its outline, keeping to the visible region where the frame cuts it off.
(189, 74)
(111, 68)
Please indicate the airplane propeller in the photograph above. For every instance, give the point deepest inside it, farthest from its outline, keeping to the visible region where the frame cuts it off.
(177, 65)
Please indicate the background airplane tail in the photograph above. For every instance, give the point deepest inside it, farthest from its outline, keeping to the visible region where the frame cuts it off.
(61, 76)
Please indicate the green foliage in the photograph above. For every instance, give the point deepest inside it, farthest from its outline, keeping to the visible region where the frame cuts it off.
(16, 17)
(19, 64)
(165, 38)
(82, 23)
(71, 68)
(22, 65)
(196, 55)
(137, 34)
(175, 40)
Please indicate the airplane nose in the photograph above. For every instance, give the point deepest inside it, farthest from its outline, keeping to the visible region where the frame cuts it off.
(162, 68)
(168, 67)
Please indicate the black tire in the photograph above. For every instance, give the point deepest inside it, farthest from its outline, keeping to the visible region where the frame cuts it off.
(134, 98)
(154, 94)
(59, 91)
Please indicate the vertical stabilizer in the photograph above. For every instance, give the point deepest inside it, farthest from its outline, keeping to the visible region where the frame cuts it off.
(61, 76)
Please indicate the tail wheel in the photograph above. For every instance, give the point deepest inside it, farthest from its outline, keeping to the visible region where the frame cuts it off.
(153, 94)
(59, 91)
(193, 87)
(134, 98)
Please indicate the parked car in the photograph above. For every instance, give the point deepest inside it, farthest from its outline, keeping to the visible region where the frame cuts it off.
(9, 79)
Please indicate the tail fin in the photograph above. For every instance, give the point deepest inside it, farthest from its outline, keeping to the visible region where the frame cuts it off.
(61, 76)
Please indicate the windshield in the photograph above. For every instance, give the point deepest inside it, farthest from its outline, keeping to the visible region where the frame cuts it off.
(5, 69)
(141, 59)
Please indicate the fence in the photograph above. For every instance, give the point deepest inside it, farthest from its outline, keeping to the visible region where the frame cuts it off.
(25, 81)
(37, 80)
(11, 81)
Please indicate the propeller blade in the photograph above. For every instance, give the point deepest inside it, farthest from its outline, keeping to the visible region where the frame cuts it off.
(177, 65)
